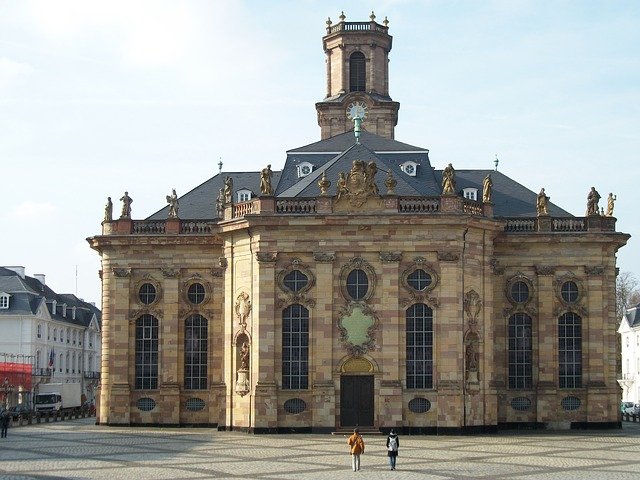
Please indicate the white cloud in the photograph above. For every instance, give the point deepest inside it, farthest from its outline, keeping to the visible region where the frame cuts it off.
(12, 71)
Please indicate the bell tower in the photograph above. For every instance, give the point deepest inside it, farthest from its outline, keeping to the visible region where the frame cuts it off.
(357, 78)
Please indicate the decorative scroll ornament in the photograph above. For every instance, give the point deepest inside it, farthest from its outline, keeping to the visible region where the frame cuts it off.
(122, 272)
(472, 307)
(170, 272)
(419, 297)
(222, 262)
(593, 270)
(324, 184)
(269, 257)
(323, 257)
(390, 256)
(243, 309)
(496, 268)
(357, 325)
(545, 270)
(359, 184)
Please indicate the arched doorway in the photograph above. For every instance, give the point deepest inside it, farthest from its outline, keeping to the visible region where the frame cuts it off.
(357, 393)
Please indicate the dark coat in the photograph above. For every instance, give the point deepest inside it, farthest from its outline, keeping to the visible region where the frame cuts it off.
(393, 453)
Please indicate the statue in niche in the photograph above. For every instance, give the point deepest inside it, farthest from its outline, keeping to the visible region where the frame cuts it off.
(472, 356)
(126, 205)
(172, 200)
(108, 210)
(487, 185)
(244, 356)
(542, 203)
(449, 180)
(592, 202)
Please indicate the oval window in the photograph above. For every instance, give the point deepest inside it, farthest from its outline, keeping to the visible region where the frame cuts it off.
(419, 279)
(520, 292)
(146, 404)
(194, 404)
(357, 284)
(295, 280)
(521, 404)
(569, 292)
(295, 405)
(147, 294)
(570, 403)
(419, 405)
(196, 293)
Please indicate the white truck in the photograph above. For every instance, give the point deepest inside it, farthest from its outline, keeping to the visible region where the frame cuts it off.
(53, 397)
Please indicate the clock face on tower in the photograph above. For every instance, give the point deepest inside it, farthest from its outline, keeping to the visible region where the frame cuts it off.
(356, 110)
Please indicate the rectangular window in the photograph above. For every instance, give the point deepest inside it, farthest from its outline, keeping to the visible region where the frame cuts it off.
(195, 353)
(147, 352)
(4, 301)
(570, 351)
(295, 348)
(419, 346)
(520, 364)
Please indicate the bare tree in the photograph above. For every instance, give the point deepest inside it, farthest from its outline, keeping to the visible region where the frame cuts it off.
(627, 293)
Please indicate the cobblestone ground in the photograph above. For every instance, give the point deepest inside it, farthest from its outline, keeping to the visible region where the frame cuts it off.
(81, 450)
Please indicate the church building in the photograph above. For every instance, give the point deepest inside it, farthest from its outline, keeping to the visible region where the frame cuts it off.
(360, 286)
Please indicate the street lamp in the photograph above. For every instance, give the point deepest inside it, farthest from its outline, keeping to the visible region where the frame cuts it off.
(7, 389)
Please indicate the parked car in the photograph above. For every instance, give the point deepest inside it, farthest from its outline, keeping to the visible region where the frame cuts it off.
(18, 411)
(624, 406)
(634, 409)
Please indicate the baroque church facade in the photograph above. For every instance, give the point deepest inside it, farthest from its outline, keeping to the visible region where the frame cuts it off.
(359, 286)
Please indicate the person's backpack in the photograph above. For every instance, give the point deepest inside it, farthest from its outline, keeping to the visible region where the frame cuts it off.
(393, 444)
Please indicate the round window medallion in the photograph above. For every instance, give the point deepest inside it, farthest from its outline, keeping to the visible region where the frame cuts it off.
(419, 279)
(295, 280)
(570, 403)
(295, 405)
(194, 404)
(521, 404)
(146, 404)
(357, 284)
(419, 405)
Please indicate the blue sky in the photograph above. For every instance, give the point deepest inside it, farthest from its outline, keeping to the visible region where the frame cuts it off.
(101, 97)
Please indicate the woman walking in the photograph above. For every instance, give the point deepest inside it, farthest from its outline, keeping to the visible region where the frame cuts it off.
(393, 442)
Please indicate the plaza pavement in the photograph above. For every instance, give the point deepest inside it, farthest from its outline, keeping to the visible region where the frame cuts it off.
(79, 449)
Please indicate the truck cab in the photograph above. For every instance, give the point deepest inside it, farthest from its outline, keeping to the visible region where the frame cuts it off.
(48, 402)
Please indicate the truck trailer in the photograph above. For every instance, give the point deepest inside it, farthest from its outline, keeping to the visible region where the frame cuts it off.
(53, 397)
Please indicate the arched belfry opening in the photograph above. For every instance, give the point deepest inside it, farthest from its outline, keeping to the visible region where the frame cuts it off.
(357, 72)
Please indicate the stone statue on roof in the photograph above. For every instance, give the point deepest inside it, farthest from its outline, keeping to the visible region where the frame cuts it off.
(542, 203)
(126, 205)
(172, 200)
(265, 181)
(487, 185)
(108, 210)
(592, 202)
(449, 180)
(228, 191)
(610, 200)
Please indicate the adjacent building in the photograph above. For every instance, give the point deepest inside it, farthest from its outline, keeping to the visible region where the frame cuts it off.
(46, 338)
(360, 285)
(629, 331)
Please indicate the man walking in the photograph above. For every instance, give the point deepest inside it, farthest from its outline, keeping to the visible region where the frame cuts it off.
(4, 423)
(356, 443)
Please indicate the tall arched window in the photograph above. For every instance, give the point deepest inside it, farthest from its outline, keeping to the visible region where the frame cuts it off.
(419, 346)
(357, 72)
(295, 347)
(147, 352)
(196, 334)
(570, 350)
(520, 366)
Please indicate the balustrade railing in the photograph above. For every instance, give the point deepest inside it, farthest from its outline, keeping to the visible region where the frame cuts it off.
(472, 208)
(520, 225)
(149, 226)
(357, 26)
(569, 224)
(296, 205)
(192, 226)
(418, 205)
(242, 209)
